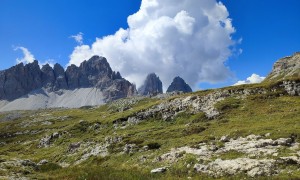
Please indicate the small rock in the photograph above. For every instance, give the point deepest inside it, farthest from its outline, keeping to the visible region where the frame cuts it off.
(284, 141)
(145, 148)
(159, 170)
(55, 135)
(143, 159)
(73, 147)
(46, 123)
(42, 162)
(27, 162)
(224, 139)
(268, 135)
(97, 126)
(46, 141)
(290, 160)
(213, 148)
(129, 148)
(188, 166)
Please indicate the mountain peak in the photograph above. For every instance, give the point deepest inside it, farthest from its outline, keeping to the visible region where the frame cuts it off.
(179, 84)
(152, 85)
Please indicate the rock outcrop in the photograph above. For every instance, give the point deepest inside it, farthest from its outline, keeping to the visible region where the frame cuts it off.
(151, 86)
(249, 161)
(20, 80)
(286, 67)
(292, 87)
(286, 71)
(179, 84)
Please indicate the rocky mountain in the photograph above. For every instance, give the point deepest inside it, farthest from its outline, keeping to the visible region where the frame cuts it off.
(287, 67)
(31, 81)
(152, 85)
(179, 84)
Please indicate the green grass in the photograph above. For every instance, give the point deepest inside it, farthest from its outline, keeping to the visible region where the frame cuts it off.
(255, 114)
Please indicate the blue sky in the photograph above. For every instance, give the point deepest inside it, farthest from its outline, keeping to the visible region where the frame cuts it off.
(269, 30)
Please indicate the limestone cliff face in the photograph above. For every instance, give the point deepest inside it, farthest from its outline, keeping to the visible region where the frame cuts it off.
(179, 84)
(286, 71)
(286, 67)
(152, 85)
(21, 79)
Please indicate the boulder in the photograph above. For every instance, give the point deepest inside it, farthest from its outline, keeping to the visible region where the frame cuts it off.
(159, 170)
(42, 162)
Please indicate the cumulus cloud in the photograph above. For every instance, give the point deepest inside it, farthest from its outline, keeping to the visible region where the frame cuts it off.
(78, 38)
(28, 57)
(187, 38)
(254, 78)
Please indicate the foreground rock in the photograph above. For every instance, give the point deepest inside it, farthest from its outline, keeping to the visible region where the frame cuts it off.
(159, 170)
(252, 167)
(258, 156)
(179, 84)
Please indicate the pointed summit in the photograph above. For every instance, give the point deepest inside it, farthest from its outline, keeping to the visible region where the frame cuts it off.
(152, 85)
(179, 84)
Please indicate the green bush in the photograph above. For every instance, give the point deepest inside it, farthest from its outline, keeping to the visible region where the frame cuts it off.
(199, 117)
(154, 145)
(228, 104)
(193, 130)
(80, 127)
(49, 167)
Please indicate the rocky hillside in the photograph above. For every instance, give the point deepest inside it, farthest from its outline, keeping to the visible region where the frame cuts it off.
(27, 84)
(239, 132)
(286, 68)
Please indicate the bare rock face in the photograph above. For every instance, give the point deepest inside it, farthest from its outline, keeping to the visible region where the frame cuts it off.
(60, 76)
(179, 84)
(287, 71)
(22, 79)
(152, 85)
(286, 67)
(48, 76)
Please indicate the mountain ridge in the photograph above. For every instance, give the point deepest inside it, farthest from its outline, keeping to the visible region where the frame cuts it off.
(56, 87)
(21, 79)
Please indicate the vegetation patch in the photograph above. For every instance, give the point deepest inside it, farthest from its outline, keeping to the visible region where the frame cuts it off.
(193, 129)
(228, 104)
(49, 167)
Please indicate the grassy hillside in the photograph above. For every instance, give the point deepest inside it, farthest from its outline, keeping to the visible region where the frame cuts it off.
(110, 148)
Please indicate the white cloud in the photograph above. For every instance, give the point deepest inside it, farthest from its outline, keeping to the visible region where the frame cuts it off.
(78, 38)
(187, 38)
(254, 78)
(27, 56)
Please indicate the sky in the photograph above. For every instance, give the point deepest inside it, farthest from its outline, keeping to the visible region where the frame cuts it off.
(209, 43)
